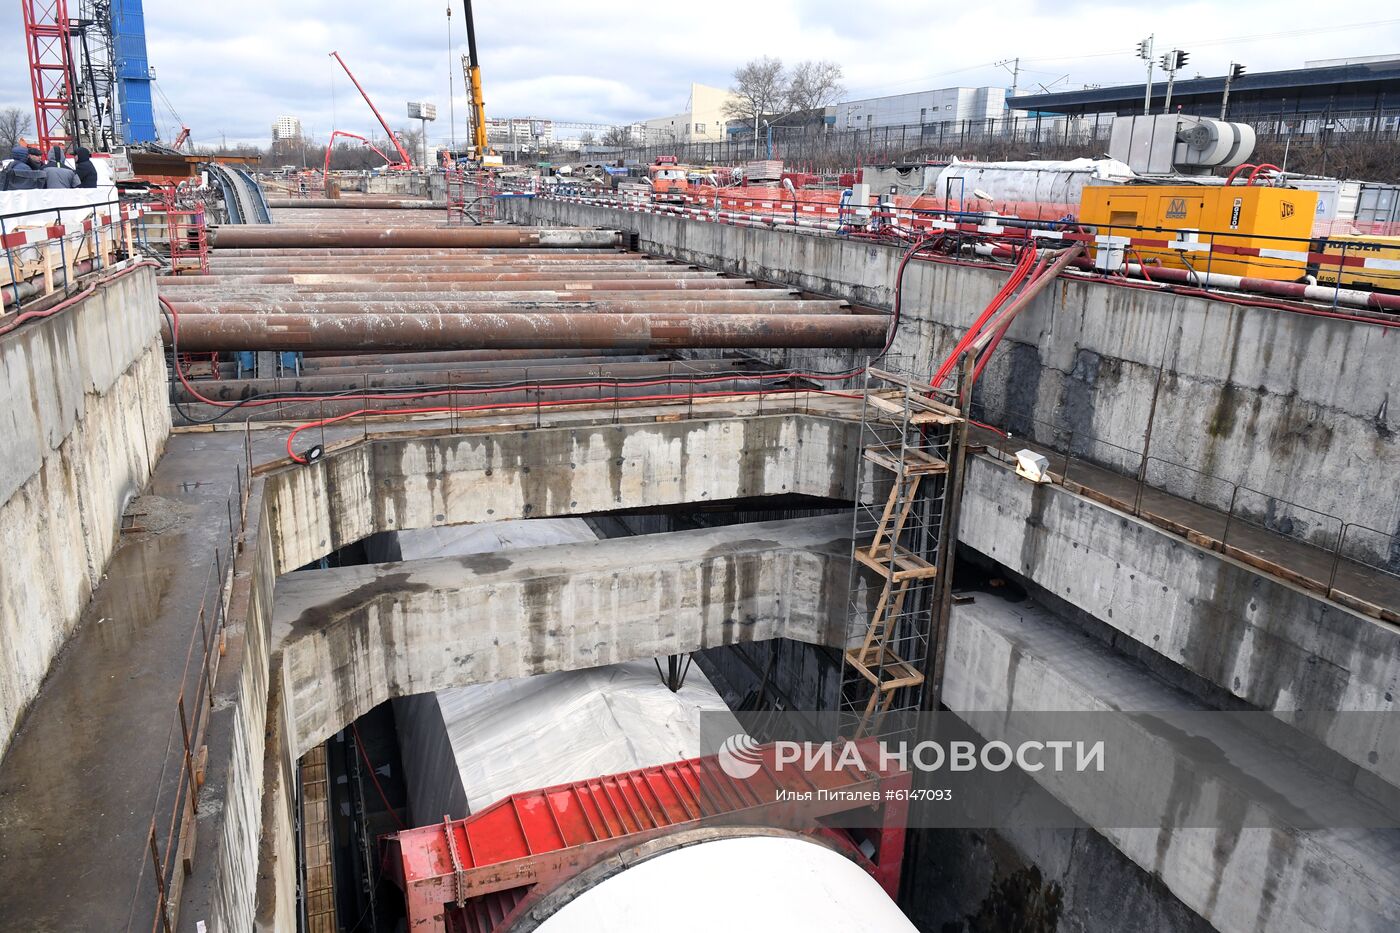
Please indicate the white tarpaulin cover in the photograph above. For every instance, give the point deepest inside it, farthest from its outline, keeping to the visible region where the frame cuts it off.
(774, 884)
(71, 204)
(553, 728)
(1043, 181)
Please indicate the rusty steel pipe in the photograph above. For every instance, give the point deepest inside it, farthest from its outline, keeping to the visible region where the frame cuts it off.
(322, 252)
(335, 361)
(440, 268)
(535, 280)
(263, 296)
(276, 235)
(279, 263)
(643, 332)
(372, 204)
(368, 275)
(416, 307)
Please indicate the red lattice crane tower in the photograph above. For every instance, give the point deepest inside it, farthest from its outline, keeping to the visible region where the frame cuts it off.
(48, 41)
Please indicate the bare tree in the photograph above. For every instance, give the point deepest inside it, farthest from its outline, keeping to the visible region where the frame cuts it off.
(617, 136)
(14, 124)
(814, 84)
(759, 90)
(411, 140)
(585, 139)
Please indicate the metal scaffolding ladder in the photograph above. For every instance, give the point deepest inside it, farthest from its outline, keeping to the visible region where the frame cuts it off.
(910, 434)
(471, 197)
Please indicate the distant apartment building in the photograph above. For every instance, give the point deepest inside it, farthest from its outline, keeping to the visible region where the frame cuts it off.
(946, 105)
(515, 132)
(286, 128)
(703, 121)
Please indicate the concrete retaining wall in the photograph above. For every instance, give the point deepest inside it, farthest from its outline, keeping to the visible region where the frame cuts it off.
(1247, 869)
(1251, 396)
(84, 419)
(1267, 642)
(303, 513)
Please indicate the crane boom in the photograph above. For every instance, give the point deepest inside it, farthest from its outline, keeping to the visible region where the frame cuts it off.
(478, 105)
(403, 154)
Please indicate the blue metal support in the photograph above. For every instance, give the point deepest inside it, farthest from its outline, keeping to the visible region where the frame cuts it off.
(133, 72)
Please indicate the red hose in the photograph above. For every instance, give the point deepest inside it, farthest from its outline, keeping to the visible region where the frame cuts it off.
(1041, 269)
(1018, 275)
(1259, 168)
(1234, 172)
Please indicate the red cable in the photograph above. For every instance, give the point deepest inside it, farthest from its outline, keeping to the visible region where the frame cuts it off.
(360, 747)
(1018, 275)
(1040, 270)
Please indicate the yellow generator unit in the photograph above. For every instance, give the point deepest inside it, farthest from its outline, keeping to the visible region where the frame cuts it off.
(1252, 231)
(1360, 261)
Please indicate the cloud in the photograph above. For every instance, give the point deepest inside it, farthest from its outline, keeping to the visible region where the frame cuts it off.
(229, 75)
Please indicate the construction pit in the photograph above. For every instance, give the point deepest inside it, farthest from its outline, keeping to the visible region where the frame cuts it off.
(394, 574)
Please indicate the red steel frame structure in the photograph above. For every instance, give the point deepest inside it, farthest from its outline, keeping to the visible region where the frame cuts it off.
(480, 874)
(48, 41)
(403, 154)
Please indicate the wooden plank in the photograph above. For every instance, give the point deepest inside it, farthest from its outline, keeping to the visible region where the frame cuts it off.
(907, 566)
(915, 461)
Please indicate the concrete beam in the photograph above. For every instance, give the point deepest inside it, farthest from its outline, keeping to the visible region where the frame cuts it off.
(392, 485)
(1255, 871)
(353, 637)
(1273, 645)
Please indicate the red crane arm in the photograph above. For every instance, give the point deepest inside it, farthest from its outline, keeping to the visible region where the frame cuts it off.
(403, 154)
(331, 145)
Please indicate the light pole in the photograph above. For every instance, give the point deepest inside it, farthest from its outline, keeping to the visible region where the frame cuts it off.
(1234, 72)
(1172, 62)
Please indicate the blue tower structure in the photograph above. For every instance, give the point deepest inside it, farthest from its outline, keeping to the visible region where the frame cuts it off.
(133, 72)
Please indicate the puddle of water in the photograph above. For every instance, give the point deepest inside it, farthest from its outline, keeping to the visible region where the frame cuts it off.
(137, 580)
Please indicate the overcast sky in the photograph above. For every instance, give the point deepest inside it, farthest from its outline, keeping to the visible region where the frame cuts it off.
(229, 69)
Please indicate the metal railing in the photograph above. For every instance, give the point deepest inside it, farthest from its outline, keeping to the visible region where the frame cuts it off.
(170, 838)
(1237, 507)
(46, 257)
(822, 146)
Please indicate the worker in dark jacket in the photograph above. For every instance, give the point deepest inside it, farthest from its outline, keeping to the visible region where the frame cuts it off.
(82, 164)
(20, 174)
(56, 174)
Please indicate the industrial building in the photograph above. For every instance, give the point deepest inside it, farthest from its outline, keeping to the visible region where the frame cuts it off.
(1362, 93)
(945, 105)
(477, 549)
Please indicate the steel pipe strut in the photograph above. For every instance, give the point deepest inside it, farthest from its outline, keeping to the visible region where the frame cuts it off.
(416, 306)
(402, 204)
(382, 283)
(272, 294)
(645, 332)
(276, 235)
